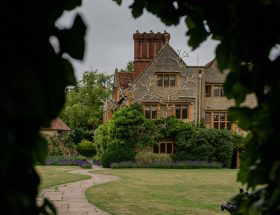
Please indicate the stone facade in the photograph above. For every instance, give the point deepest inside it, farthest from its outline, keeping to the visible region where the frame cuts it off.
(165, 85)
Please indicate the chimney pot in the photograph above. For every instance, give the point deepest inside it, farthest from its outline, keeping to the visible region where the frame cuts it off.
(146, 46)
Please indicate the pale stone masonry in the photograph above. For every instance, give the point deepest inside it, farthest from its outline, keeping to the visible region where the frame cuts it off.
(165, 85)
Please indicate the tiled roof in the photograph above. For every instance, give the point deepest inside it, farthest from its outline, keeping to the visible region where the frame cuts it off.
(58, 124)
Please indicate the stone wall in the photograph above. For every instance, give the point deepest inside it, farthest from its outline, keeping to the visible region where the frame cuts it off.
(185, 91)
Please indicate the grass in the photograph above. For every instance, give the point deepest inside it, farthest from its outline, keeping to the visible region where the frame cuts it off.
(162, 191)
(56, 175)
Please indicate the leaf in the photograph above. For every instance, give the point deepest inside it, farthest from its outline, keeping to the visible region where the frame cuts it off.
(239, 91)
(72, 4)
(137, 8)
(70, 77)
(242, 116)
(223, 56)
(197, 32)
(40, 150)
(118, 1)
(72, 40)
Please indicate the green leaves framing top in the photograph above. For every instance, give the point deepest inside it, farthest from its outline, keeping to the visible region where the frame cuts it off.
(72, 40)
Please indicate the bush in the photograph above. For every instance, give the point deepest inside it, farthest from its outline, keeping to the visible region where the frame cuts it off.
(168, 165)
(86, 148)
(116, 140)
(68, 161)
(96, 160)
(60, 147)
(149, 157)
(204, 145)
(238, 142)
(76, 135)
(116, 153)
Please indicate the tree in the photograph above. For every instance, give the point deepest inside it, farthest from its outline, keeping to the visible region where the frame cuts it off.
(84, 101)
(34, 76)
(118, 139)
(129, 67)
(82, 111)
(247, 31)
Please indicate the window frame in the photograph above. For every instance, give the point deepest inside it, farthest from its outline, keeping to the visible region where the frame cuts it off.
(181, 111)
(171, 80)
(152, 108)
(208, 92)
(219, 122)
(212, 90)
(163, 145)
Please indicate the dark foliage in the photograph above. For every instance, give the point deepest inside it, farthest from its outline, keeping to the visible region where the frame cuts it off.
(117, 153)
(76, 135)
(204, 145)
(33, 78)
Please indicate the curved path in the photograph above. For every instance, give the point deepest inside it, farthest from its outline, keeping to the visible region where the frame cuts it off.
(70, 198)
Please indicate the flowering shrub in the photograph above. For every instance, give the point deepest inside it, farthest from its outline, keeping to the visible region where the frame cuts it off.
(68, 161)
(168, 165)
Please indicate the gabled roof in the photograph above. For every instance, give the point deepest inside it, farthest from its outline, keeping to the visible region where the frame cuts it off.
(167, 45)
(210, 63)
(57, 124)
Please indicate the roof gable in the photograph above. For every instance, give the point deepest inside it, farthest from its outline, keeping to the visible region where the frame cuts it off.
(168, 59)
(58, 124)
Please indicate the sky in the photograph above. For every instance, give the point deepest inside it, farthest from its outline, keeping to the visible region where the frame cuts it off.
(109, 38)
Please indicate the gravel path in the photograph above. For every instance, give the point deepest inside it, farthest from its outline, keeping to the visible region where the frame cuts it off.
(70, 198)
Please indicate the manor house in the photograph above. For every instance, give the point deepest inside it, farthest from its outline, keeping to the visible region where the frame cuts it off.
(165, 85)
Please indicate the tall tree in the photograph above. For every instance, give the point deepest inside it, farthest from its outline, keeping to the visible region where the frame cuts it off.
(83, 107)
(248, 31)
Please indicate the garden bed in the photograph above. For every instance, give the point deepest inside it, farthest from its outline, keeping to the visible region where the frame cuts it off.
(168, 165)
(69, 161)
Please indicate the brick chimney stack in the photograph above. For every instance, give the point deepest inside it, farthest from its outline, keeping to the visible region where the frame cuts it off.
(146, 46)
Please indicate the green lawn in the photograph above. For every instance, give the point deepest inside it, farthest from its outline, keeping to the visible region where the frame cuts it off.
(158, 191)
(55, 175)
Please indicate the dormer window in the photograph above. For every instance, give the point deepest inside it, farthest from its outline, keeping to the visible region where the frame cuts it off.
(166, 80)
